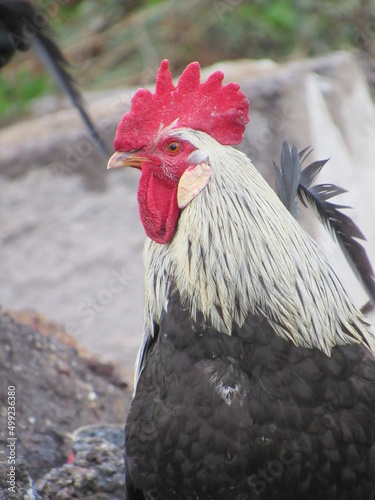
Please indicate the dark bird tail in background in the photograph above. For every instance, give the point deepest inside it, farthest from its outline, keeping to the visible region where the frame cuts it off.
(21, 28)
(292, 182)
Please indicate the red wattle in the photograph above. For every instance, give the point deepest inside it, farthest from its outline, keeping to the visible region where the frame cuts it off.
(158, 209)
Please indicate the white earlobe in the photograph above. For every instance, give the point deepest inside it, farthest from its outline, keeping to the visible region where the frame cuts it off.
(193, 180)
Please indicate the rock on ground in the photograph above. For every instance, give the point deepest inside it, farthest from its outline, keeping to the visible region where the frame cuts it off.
(97, 473)
(57, 391)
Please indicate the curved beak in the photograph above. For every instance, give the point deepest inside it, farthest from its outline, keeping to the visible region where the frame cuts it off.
(120, 159)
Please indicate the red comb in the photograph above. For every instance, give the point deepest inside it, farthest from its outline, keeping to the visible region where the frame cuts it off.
(221, 111)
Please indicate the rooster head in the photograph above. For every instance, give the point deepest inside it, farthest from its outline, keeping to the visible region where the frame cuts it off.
(173, 171)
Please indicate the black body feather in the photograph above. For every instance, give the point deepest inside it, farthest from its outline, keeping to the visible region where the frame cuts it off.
(292, 182)
(23, 28)
(249, 416)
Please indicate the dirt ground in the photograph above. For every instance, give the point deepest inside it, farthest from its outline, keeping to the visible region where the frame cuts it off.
(58, 389)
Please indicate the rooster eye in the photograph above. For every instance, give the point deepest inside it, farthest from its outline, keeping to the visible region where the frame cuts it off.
(173, 147)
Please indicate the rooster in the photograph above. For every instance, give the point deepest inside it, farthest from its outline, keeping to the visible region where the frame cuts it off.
(256, 375)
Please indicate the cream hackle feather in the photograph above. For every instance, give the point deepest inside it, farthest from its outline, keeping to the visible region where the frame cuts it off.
(238, 251)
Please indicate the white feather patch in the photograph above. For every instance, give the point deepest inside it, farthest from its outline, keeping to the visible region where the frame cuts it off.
(193, 180)
(249, 256)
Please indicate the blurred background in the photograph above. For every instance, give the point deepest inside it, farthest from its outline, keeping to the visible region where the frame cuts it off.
(112, 43)
(71, 240)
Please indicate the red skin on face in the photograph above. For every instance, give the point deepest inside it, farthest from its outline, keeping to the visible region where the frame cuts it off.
(157, 191)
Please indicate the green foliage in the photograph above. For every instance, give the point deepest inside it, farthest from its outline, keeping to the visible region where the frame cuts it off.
(19, 89)
(119, 41)
(277, 29)
(256, 29)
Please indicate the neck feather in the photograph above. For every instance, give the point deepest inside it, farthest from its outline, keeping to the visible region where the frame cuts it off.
(237, 250)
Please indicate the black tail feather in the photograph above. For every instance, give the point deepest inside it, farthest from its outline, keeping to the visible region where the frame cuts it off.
(340, 226)
(18, 31)
(287, 179)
